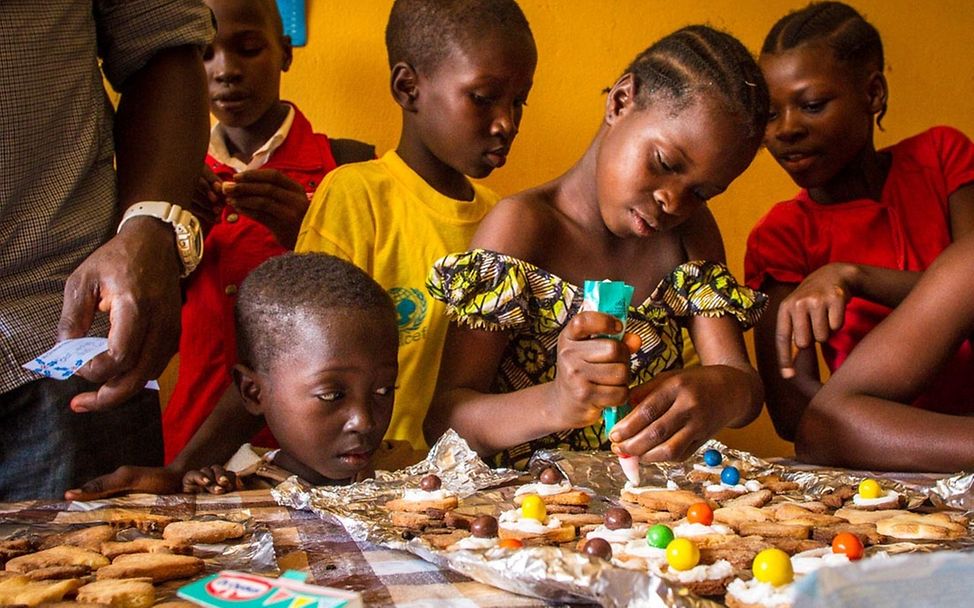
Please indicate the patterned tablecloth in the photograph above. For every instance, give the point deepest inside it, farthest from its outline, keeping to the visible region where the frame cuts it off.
(302, 541)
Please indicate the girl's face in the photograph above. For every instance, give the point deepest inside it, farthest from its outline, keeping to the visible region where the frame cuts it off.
(821, 114)
(658, 165)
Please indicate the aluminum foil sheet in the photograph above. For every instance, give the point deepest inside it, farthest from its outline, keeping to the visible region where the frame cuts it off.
(563, 575)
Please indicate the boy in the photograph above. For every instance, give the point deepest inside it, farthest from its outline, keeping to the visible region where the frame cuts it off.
(461, 73)
(317, 359)
(263, 165)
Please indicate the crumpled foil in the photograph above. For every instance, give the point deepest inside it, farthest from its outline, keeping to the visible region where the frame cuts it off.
(563, 575)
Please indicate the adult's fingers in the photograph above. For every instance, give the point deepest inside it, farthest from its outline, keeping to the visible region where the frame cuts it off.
(78, 310)
(126, 479)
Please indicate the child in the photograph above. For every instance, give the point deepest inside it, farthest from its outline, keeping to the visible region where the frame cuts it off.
(865, 224)
(317, 343)
(683, 121)
(461, 72)
(866, 404)
(264, 163)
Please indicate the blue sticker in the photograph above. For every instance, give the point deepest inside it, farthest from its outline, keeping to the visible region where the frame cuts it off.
(295, 20)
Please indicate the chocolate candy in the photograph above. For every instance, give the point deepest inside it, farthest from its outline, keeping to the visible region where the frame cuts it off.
(430, 483)
(484, 526)
(598, 547)
(617, 517)
(550, 475)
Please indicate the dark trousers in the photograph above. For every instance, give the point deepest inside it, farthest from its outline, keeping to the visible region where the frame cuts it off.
(45, 448)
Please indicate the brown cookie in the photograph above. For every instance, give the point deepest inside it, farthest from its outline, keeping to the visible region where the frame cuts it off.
(89, 538)
(750, 499)
(202, 532)
(124, 593)
(444, 540)
(58, 573)
(564, 534)
(866, 532)
(64, 555)
(774, 529)
(118, 518)
(737, 515)
(915, 526)
(418, 506)
(858, 516)
(432, 518)
(673, 501)
(111, 550)
(20, 590)
(778, 485)
(157, 566)
(573, 497)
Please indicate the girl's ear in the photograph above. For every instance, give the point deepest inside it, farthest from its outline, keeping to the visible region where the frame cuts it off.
(621, 97)
(878, 91)
(248, 385)
(404, 83)
(288, 53)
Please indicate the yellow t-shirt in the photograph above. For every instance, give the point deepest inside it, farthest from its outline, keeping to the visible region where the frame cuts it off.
(384, 218)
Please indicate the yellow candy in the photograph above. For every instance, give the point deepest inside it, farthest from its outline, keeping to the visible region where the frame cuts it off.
(773, 566)
(532, 507)
(682, 554)
(869, 488)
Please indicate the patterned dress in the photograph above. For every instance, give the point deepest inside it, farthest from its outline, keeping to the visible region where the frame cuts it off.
(494, 292)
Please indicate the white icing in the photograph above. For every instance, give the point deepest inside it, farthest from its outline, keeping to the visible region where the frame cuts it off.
(715, 571)
(420, 495)
(642, 549)
(630, 468)
(688, 530)
(813, 559)
(515, 520)
(708, 469)
(622, 535)
(751, 485)
(545, 489)
(631, 489)
(891, 496)
(761, 594)
(475, 543)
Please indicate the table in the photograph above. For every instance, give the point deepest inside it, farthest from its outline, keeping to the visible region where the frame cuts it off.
(302, 541)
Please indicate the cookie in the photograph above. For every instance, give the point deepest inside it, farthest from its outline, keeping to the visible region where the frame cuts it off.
(446, 539)
(14, 548)
(431, 518)
(737, 515)
(418, 506)
(858, 516)
(572, 497)
(866, 532)
(778, 485)
(20, 590)
(89, 538)
(673, 501)
(117, 518)
(751, 499)
(563, 534)
(64, 555)
(58, 573)
(775, 529)
(125, 593)
(157, 566)
(915, 526)
(111, 550)
(202, 532)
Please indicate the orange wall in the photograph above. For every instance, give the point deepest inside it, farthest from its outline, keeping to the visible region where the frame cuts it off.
(340, 80)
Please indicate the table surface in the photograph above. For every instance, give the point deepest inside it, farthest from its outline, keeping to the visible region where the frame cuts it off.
(302, 541)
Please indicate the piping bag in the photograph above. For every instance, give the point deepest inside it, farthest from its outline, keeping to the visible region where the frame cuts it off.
(613, 298)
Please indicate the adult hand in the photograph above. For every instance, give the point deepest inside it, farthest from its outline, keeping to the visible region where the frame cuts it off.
(592, 372)
(213, 479)
(134, 277)
(812, 312)
(271, 198)
(126, 480)
(208, 199)
(675, 412)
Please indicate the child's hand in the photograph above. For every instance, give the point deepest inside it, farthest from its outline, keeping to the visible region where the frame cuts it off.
(213, 479)
(593, 373)
(271, 198)
(814, 310)
(208, 198)
(675, 412)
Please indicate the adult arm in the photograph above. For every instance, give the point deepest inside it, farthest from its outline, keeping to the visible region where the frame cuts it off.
(861, 417)
(134, 277)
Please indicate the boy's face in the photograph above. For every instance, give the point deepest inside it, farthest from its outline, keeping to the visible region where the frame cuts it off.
(245, 61)
(469, 107)
(328, 400)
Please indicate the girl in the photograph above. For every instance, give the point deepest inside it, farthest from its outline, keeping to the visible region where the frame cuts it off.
(683, 121)
(865, 224)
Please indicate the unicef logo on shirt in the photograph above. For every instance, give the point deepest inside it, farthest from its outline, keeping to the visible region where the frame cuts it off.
(411, 308)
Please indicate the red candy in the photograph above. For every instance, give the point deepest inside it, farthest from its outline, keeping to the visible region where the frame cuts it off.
(849, 544)
(700, 513)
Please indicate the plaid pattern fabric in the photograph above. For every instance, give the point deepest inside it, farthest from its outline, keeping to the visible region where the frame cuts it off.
(57, 180)
(302, 541)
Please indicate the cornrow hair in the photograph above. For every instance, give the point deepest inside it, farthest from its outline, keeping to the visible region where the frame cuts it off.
(854, 40)
(424, 32)
(290, 289)
(699, 59)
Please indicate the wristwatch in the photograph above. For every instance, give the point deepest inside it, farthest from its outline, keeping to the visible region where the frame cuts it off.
(189, 235)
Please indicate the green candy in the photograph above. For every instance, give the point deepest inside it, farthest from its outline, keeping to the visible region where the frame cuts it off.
(659, 536)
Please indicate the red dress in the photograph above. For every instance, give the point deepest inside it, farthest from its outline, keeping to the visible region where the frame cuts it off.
(907, 229)
(235, 246)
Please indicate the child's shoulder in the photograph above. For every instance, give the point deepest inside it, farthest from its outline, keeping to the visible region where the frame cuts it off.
(519, 224)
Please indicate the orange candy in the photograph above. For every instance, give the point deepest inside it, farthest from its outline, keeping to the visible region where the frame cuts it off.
(700, 513)
(849, 544)
(510, 543)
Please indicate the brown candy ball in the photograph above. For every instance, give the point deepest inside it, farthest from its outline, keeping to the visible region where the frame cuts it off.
(550, 475)
(430, 483)
(598, 547)
(484, 526)
(617, 518)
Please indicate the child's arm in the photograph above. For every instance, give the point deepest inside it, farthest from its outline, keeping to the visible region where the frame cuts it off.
(592, 374)
(860, 417)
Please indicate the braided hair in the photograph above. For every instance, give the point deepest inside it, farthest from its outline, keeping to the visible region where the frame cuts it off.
(854, 40)
(700, 59)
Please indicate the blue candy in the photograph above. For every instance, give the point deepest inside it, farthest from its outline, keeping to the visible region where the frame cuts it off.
(712, 457)
(730, 476)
